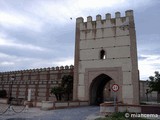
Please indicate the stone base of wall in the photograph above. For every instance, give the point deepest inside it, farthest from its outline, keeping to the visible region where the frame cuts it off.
(28, 103)
(151, 109)
(47, 105)
(4, 100)
(107, 108)
(70, 104)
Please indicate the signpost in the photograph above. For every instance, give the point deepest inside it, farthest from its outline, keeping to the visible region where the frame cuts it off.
(115, 88)
(10, 96)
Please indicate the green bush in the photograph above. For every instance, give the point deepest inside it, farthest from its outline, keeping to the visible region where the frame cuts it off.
(58, 91)
(114, 116)
(3, 93)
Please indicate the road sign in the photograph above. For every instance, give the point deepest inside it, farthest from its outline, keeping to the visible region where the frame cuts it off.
(115, 87)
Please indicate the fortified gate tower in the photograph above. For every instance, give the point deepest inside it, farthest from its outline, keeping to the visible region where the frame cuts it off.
(106, 53)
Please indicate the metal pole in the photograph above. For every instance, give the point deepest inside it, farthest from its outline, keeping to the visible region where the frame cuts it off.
(11, 90)
(10, 97)
(114, 101)
(10, 93)
(147, 93)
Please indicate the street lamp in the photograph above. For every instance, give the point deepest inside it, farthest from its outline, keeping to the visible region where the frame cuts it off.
(10, 96)
(147, 91)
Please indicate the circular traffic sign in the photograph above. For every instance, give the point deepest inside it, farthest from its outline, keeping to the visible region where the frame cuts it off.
(115, 87)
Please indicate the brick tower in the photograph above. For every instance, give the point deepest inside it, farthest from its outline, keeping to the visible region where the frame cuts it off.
(106, 51)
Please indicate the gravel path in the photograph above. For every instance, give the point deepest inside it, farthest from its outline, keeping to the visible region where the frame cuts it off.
(81, 113)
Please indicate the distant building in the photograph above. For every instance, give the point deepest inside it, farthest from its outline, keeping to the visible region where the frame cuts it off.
(144, 90)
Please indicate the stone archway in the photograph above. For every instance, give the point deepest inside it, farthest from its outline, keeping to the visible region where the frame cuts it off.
(97, 89)
(93, 75)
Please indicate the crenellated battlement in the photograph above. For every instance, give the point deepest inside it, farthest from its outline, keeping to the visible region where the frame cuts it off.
(107, 22)
(40, 80)
(128, 13)
(107, 27)
(40, 70)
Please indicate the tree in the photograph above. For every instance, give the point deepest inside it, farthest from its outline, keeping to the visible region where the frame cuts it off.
(67, 84)
(154, 84)
(58, 92)
(65, 88)
(3, 93)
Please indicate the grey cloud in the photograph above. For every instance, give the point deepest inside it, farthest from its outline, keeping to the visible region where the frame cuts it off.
(148, 44)
(53, 30)
(142, 58)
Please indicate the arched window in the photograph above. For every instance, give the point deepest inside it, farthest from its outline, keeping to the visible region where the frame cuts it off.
(102, 54)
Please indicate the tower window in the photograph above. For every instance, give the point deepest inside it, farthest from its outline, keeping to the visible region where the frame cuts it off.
(102, 54)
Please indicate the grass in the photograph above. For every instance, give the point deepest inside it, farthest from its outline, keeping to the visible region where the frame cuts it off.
(119, 116)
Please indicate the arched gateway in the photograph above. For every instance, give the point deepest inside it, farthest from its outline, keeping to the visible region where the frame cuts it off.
(106, 53)
(97, 89)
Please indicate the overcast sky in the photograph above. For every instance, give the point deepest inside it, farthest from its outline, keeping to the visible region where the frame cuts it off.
(40, 33)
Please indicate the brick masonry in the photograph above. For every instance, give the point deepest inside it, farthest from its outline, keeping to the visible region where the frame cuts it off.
(39, 80)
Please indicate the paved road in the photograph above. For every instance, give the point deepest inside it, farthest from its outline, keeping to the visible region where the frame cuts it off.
(81, 113)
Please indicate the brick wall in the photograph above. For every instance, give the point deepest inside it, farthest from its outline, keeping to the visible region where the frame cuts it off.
(39, 80)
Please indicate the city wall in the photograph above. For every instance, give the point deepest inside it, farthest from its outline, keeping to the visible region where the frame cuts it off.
(39, 80)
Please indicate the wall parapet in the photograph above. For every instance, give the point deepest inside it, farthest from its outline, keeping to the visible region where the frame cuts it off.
(107, 22)
(40, 80)
(128, 13)
(39, 70)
